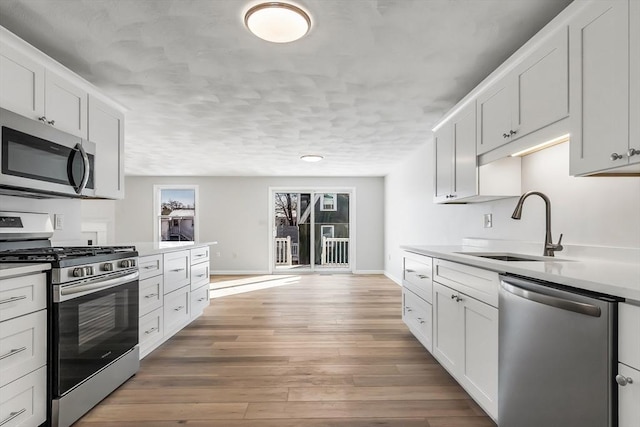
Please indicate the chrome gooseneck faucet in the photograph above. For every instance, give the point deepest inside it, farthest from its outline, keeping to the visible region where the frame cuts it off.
(549, 246)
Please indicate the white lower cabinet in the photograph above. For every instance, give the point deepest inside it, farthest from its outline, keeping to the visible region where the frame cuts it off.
(199, 300)
(465, 342)
(177, 309)
(416, 314)
(23, 402)
(151, 330)
(628, 375)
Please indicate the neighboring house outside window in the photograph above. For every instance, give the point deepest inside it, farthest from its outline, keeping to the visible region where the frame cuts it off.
(327, 230)
(329, 202)
(175, 208)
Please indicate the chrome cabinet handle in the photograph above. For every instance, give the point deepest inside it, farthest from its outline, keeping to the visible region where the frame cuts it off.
(13, 352)
(512, 132)
(150, 330)
(178, 308)
(12, 416)
(42, 119)
(615, 156)
(200, 255)
(13, 299)
(453, 296)
(177, 270)
(422, 276)
(505, 135)
(151, 295)
(201, 299)
(420, 320)
(408, 270)
(201, 275)
(149, 267)
(623, 381)
(632, 152)
(51, 122)
(408, 309)
(456, 297)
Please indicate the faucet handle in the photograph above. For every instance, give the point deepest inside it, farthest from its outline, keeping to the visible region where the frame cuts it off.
(558, 246)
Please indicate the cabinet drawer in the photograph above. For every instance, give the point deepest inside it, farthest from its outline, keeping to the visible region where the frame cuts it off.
(151, 294)
(22, 295)
(199, 275)
(199, 300)
(151, 329)
(199, 255)
(417, 315)
(177, 269)
(629, 335)
(475, 282)
(23, 346)
(177, 309)
(417, 276)
(23, 402)
(150, 266)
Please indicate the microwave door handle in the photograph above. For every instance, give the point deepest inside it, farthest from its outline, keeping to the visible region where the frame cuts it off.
(86, 171)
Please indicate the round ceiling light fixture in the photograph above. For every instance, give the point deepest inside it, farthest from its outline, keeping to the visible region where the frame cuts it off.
(277, 22)
(311, 158)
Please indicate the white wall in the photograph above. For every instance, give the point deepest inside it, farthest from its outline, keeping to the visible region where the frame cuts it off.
(598, 211)
(70, 208)
(235, 212)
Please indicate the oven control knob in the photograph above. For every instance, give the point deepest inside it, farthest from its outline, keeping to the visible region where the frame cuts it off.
(107, 266)
(88, 271)
(78, 272)
(126, 263)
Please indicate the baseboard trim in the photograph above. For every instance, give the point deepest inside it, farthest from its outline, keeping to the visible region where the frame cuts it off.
(393, 278)
(238, 272)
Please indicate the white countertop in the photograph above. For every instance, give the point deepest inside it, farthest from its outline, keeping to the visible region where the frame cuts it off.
(611, 277)
(154, 248)
(10, 270)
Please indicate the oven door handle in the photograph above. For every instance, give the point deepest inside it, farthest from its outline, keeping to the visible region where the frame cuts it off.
(64, 293)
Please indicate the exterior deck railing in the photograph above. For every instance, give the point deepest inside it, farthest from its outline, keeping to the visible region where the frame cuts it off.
(335, 251)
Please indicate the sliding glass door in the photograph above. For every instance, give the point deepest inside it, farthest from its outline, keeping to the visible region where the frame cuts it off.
(311, 230)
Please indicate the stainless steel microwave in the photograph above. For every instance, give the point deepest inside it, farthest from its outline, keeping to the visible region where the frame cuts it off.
(41, 161)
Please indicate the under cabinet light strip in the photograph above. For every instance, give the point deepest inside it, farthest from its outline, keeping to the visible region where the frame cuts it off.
(550, 143)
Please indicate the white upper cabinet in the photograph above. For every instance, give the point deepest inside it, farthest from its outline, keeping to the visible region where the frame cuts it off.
(604, 88)
(65, 105)
(21, 83)
(541, 81)
(533, 95)
(106, 130)
(443, 147)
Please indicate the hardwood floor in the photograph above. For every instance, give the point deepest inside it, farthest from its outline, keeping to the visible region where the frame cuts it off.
(318, 351)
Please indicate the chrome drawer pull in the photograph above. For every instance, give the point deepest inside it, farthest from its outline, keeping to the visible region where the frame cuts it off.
(201, 275)
(422, 276)
(151, 267)
(151, 295)
(151, 330)
(200, 255)
(408, 270)
(177, 270)
(178, 308)
(12, 416)
(13, 352)
(408, 308)
(202, 299)
(420, 320)
(13, 299)
(623, 381)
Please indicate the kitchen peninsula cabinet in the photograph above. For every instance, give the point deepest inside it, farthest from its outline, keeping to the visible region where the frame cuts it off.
(628, 374)
(605, 88)
(417, 297)
(174, 290)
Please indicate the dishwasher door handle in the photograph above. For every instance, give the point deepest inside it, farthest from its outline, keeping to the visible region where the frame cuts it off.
(553, 301)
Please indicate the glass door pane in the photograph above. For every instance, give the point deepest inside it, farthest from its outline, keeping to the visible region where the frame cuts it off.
(331, 228)
(292, 231)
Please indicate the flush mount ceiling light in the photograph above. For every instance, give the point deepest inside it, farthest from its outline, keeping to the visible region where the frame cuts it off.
(277, 22)
(311, 158)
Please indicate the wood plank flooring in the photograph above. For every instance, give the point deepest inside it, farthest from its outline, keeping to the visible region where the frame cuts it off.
(318, 351)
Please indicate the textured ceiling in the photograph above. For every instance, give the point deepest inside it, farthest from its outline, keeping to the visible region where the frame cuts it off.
(363, 88)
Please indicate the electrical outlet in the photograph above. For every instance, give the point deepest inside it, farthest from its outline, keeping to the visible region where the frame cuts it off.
(218, 254)
(488, 220)
(58, 220)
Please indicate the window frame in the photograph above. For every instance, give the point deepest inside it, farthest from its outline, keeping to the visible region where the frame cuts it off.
(157, 201)
(334, 197)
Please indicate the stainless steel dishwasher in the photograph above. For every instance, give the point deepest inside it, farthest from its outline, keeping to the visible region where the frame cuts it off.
(557, 351)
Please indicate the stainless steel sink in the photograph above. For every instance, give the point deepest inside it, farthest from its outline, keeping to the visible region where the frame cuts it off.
(504, 256)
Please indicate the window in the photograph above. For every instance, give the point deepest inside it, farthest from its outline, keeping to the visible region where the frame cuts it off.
(327, 230)
(175, 213)
(329, 202)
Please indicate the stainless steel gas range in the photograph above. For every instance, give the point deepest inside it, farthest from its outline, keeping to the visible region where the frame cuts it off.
(92, 312)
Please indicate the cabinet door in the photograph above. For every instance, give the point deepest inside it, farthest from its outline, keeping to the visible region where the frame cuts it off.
(599, 86)
(634, 81)
(443, 144)
(66, 104)
(495, 106)
(106, 130)
(465, 176)
(21, 83)
(479, 369)
(542, 85)
(177, 270)
(629, 398)
(446, 328)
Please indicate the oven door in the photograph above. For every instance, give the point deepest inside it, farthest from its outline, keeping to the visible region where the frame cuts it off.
(36, 157)
(94, 323)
